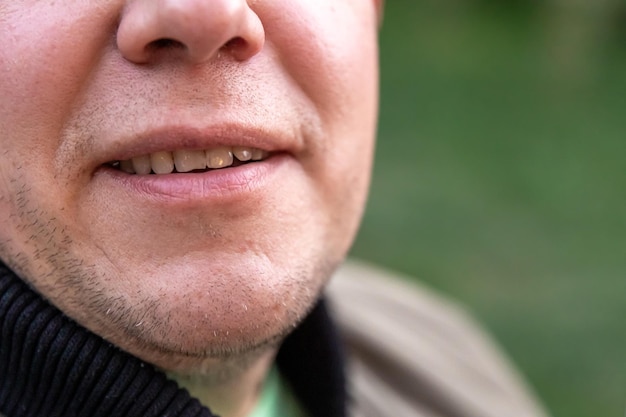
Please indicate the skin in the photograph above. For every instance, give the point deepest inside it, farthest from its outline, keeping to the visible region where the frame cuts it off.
(201, 278)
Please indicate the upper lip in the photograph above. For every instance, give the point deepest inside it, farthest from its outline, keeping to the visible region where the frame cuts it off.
(181, 137)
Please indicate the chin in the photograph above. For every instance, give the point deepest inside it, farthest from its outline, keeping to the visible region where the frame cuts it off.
(185, 315)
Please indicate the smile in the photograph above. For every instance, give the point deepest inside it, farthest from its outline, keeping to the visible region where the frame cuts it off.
(181, 161)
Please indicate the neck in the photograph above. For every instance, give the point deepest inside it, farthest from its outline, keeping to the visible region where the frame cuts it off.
(235, 392)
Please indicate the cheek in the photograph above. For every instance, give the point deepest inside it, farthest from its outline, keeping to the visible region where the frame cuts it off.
(45, 61)
(46, 58)
(329, 49)
(330, 52)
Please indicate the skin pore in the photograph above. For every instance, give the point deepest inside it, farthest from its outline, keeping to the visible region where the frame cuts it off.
(200, 273)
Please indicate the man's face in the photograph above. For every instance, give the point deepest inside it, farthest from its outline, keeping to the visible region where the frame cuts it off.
(181, 265)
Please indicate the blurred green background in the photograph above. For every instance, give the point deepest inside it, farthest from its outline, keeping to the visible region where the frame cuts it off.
(500, 180)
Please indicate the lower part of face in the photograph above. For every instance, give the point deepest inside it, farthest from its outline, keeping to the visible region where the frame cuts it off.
(177, 278)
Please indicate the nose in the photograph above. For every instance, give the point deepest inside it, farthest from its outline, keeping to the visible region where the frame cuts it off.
(198, 29)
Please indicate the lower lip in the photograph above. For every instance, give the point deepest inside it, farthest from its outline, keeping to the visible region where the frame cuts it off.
(216, 185)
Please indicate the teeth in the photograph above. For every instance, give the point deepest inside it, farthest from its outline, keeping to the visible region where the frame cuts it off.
(189, 160)
(164, 162)
(258, 154)
(127, 166)
(142, 165)
(242, 153)
(219, 158)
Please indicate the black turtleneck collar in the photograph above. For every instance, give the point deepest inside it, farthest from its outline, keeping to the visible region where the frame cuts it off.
(52, 367)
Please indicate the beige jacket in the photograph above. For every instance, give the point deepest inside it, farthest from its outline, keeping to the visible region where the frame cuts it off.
(416, 354)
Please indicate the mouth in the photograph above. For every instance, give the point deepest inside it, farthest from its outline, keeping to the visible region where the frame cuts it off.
(185, 161)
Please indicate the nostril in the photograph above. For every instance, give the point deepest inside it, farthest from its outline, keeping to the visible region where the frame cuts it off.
(165, 43)
(234, 43)
(239, 48)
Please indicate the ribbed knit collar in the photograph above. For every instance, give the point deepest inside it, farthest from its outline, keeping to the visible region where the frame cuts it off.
(52, 367)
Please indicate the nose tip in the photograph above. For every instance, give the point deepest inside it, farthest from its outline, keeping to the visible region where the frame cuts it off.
(197, 29)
